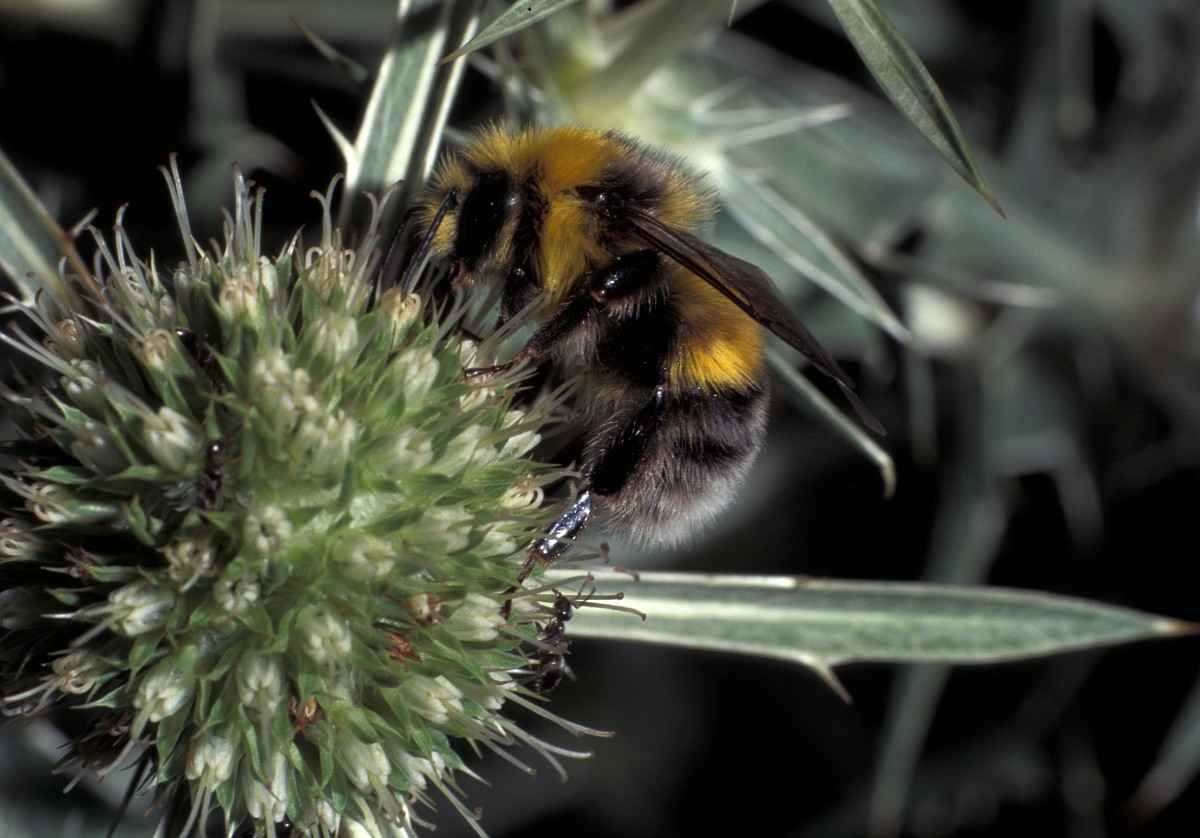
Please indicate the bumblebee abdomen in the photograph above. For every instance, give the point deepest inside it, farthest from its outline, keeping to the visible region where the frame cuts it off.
(670, 469)
(716, 345)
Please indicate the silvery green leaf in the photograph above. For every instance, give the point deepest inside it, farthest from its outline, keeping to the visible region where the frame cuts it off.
(825, 623)
(518, 16)
(31, 242)
(841, 420)
(790, 233)
(908, 84)
(1176, 764)
(636, 43)
(355, 72)
(401, 130)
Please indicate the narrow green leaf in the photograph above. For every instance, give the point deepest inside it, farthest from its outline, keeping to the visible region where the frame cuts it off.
(401, 130)
(638, 42)
(1175, 766)
(910, 87)
(64, 475)
(823, 623)
(31, 242)
(788, 231)
(355, 72)
(516, 17)
(842, 421)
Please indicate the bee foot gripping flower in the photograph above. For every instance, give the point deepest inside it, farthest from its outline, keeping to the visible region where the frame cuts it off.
(258, 530)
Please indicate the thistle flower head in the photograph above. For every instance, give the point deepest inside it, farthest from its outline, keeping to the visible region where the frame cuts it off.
(261, 530)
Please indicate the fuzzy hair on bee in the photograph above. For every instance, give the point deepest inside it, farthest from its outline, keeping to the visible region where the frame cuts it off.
(665, 329)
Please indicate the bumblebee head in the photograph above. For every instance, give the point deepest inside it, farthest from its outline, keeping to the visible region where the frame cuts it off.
(471, 216)
(487, 224)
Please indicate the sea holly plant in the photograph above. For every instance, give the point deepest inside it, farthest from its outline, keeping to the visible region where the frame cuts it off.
(259, 537)
(262, 535)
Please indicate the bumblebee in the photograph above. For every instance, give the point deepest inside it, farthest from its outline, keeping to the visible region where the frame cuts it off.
(664, 328)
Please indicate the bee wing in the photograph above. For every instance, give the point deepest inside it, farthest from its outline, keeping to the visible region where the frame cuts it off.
(749, 288)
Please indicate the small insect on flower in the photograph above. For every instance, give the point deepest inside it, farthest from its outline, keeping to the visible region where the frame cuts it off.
(664, 328)
(212, 476)
(552, 662)
(202, 354)
(304, 715)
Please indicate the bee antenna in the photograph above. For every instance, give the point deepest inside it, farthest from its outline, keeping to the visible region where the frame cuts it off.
(395, 242)
(418, 261)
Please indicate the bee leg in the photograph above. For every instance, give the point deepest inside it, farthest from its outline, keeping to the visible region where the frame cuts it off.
(542, 342)
(470, 373)
(623, 277)
(608, 474)
(618, 460)
(418, 261)
(559, 537)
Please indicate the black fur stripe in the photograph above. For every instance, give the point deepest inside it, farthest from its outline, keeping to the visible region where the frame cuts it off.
(482, 216)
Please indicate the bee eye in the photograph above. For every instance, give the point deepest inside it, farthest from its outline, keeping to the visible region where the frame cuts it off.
(482, 215)
(595, 194)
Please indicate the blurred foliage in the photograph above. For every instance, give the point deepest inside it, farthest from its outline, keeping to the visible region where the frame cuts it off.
(1037, 374)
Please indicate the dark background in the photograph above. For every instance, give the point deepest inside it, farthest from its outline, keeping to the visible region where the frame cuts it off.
(708, 744)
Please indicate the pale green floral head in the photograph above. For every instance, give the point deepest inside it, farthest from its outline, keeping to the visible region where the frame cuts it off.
(261, 533)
